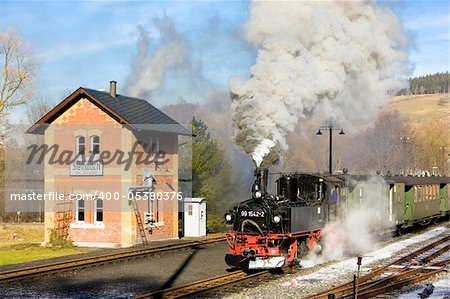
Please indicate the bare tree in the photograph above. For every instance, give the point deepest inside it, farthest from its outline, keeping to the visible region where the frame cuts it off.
(16, 72)
(380, 148)
(38, 108)
(432, 146)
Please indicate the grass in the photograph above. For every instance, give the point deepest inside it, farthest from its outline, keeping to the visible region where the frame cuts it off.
(421, 108)
(13, 234)
(20, 243)
(27, 252)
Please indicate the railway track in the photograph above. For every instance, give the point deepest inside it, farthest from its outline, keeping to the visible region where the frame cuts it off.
(369, 284)
(429, 261)
(81, 263)
(203, 287)
(215, 284)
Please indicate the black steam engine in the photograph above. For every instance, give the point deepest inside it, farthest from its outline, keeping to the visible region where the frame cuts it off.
(271, 230)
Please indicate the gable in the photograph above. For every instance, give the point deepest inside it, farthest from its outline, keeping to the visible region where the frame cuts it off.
(84, 112)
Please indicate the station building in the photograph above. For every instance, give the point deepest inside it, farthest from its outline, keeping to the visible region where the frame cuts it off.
(112, 163)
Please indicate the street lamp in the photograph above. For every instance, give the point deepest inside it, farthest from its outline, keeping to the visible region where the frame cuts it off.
(444, 150)
(330, 129)
(404, 140)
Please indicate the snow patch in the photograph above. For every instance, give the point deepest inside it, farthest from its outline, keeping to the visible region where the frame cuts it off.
(348, 266)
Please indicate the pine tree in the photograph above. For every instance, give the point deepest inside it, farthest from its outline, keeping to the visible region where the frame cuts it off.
(429, 84)
(212, 174)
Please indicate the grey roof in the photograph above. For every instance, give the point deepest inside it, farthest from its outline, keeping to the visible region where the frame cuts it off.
(417, 180)
(139, 113)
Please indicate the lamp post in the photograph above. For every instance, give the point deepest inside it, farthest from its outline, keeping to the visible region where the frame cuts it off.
(330, 129)
(404, 140)
(444, 150)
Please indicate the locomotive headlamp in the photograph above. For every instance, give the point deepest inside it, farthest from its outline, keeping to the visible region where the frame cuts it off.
(228, 217)
(257, 194)
(276, 219)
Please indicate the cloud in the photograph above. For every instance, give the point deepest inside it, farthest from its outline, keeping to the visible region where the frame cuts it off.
(85, 49)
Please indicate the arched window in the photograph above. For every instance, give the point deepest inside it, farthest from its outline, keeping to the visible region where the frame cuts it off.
(95, 145)
(81, 146)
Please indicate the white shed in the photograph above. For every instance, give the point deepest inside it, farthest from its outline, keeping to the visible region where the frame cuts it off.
(194, 217)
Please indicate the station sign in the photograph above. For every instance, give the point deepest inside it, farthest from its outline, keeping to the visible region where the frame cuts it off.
(86, 168)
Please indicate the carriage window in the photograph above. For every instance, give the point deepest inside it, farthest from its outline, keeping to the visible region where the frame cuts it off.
(419, 193)
(319, 191)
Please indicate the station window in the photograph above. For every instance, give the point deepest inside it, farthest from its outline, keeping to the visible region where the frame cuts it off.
(80, 210)
(154, 144)
(81, 145)
(190, 210)
(98, 210)
(95, 145)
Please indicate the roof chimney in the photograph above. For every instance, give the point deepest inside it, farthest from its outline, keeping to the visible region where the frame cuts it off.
(112, 88)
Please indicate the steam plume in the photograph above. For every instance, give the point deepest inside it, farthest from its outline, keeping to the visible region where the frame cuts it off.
(334, 60)
(150, 64)
(356, 233)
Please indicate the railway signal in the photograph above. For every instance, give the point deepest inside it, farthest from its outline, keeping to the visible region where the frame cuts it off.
(147, 218)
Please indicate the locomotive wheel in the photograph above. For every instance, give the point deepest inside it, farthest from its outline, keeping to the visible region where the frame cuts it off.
(318, 246)
(302, 250)
(425, 222)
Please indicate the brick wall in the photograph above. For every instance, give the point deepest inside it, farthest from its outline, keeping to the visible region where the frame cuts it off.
(118, 227)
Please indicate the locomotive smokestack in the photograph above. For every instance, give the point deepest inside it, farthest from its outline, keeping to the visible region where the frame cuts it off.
(261, 176)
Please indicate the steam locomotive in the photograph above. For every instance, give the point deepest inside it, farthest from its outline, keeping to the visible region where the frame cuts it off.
(270, 231)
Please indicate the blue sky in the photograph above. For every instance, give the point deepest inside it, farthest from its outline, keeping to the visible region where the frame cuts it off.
(89, 43)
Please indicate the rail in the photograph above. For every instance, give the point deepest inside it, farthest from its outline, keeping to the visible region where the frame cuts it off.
(369, 284)
(32, 271)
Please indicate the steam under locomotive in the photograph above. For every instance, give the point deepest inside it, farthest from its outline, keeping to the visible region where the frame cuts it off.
(270, 231)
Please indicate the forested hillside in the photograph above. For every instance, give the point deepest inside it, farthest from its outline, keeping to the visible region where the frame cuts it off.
(429, 84)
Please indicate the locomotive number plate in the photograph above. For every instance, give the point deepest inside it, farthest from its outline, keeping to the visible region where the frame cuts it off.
(252, 214)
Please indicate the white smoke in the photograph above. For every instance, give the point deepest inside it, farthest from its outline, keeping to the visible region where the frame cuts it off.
(262, 150)
(359, 227)
(334, 60)
(151, 63)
